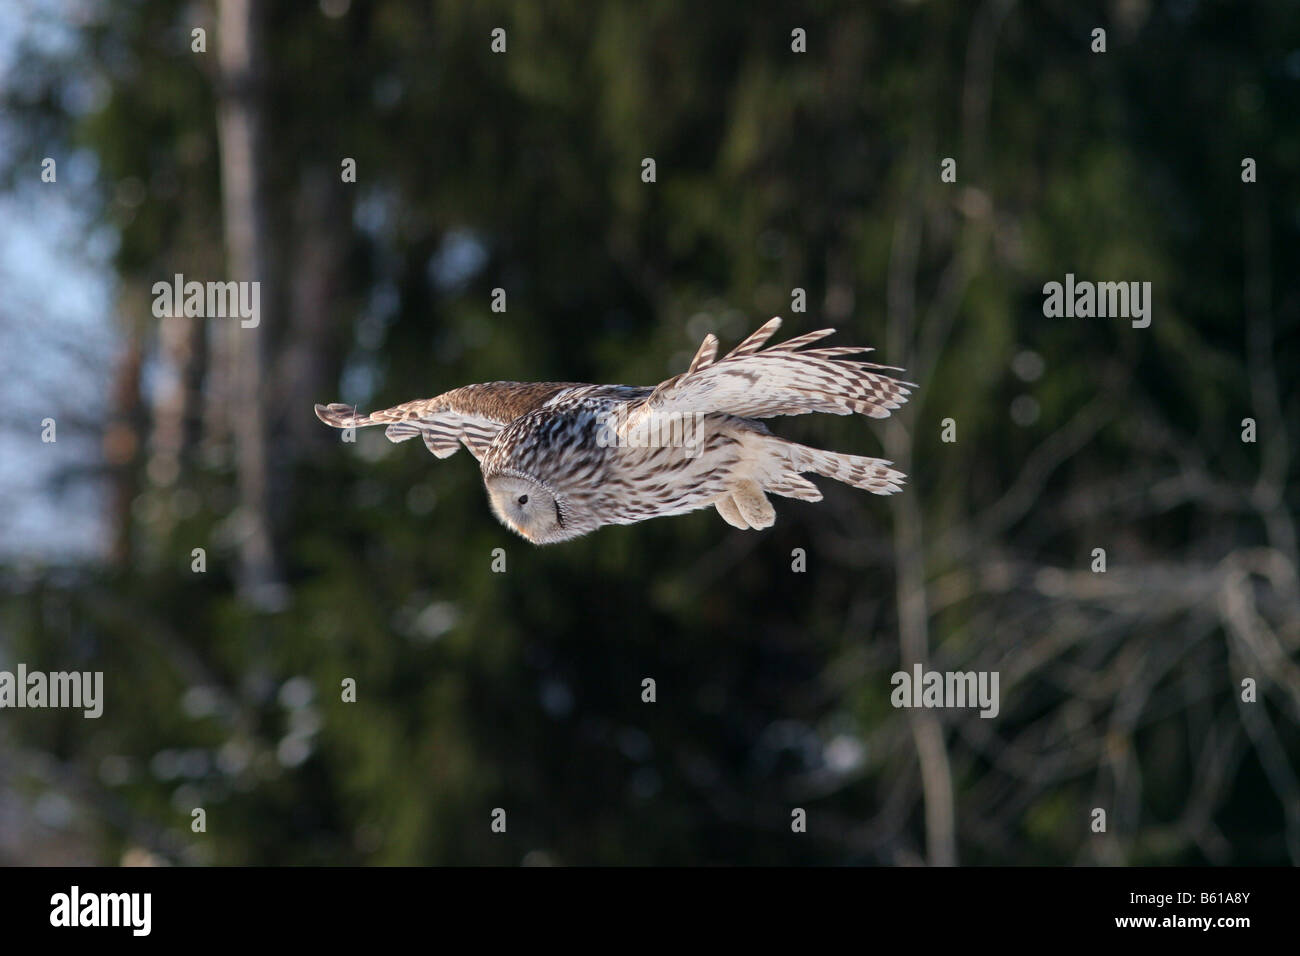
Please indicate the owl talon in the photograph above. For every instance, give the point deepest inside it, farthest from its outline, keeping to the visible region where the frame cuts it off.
(730, 513)
(753, 505)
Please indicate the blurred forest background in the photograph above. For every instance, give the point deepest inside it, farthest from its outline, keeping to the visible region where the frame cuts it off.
(776, 170)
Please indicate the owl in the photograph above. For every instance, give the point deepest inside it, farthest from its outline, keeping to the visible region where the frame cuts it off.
(561, 459)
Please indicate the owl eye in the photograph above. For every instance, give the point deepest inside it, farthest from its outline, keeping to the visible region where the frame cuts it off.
(523, 499)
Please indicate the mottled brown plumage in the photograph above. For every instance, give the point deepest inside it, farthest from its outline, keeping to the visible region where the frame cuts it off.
(561, 459)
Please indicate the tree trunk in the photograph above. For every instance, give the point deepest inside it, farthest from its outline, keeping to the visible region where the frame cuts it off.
(240, 126)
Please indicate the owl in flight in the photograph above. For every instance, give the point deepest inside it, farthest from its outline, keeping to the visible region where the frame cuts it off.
(561, 459)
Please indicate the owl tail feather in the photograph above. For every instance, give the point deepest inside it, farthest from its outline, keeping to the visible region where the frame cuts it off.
(871, 474)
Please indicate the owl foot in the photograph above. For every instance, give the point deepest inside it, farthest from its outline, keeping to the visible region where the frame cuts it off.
(753, 504)
(730, 513)
(746, 507)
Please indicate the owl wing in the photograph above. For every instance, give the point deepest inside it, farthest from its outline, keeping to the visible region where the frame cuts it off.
(753, 382)
(471, 415)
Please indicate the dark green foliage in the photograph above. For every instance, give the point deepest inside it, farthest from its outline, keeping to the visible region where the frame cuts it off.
(522, 690)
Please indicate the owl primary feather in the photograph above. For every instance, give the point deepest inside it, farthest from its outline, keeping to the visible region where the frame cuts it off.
(561, 459)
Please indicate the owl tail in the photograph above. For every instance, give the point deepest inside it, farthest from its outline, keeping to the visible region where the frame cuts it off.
(779, 467)
(871, 474)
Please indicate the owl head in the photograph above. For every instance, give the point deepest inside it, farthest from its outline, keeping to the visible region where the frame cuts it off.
(528, 507)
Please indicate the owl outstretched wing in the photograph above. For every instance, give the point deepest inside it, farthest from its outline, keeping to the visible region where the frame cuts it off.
(471, 415)
(753, 382)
